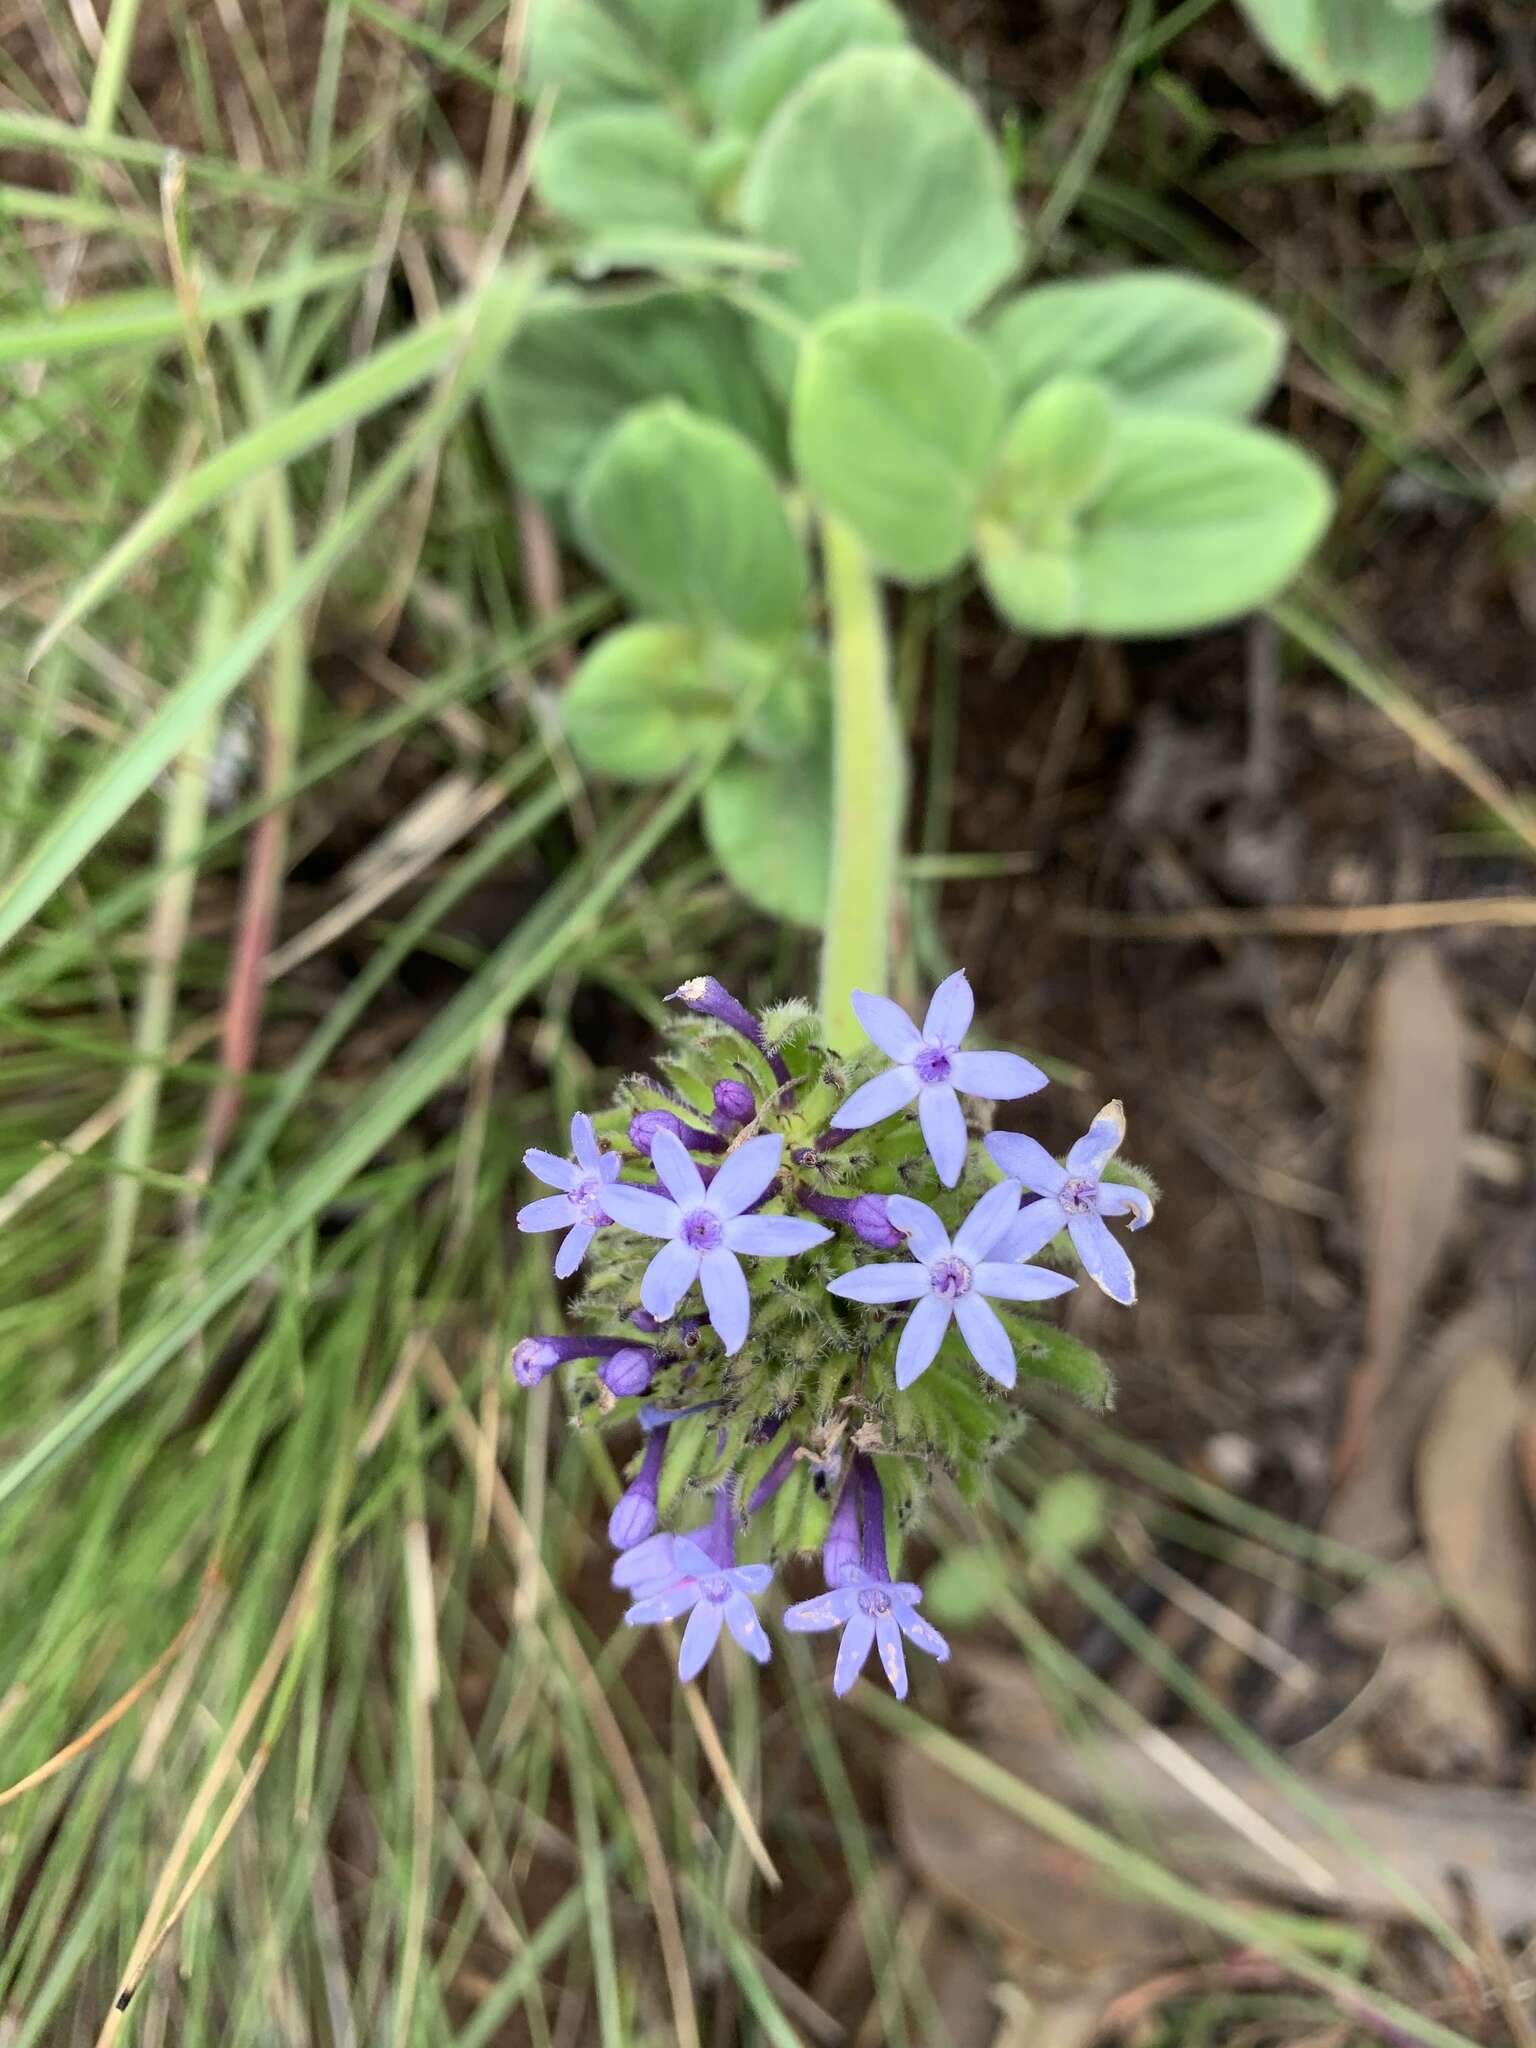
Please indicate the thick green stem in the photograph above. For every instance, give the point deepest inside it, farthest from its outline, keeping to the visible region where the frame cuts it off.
(868, 788)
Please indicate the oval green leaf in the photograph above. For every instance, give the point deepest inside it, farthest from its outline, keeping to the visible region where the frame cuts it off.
(684, 515)
(787, 49)
(769, 825)
(1154, 336)
(1379, 46)
(598, 53)
(1200, 520)
(894, 424)
(881, 177)
(581, 362)
(647, 698)
(622, 167)
(1058, 448)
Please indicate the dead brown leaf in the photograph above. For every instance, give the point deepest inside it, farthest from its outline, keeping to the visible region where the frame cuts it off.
(1472, 1509)
(1407, 1166)
(1439, 1718)
(985, 1862)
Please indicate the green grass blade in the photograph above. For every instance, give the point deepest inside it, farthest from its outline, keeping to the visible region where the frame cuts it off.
(94, 809)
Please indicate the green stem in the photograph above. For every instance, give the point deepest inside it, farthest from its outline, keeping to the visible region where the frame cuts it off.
(868, 788)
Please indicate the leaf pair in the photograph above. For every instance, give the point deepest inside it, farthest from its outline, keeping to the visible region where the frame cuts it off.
(1128, 500)
(684, 516)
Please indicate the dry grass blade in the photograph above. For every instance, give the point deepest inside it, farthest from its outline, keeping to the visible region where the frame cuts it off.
(1472, 1507)
(1407, 1166)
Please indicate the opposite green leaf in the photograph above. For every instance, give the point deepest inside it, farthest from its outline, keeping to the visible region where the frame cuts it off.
(1378, 46)
(582, 361)
(622, 167)
(598, 53)
(965, 1586)
(1153, 335)
(895, 421)
(791, 46)
(684, 515)
(769, 824)
(647, 698)
(1200, 521)
(881, 177)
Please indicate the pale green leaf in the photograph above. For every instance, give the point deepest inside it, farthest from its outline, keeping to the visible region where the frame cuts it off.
(965, 1585)
(622, 167)
(1201, 519)
(1057, 449)
(598, 52)
(768, 824)
(895, 422)
(794, 44)
(1335, 46)
(647, 697)
(881, 177)
(1154, 336)
(582, 361)
(684, 515)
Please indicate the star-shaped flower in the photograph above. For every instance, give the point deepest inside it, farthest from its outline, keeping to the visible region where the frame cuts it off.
(697, 1575)
(930, 1067)
(1075, 1198)
(869, 1610)
(705, 1228)
(581, 1207)
(953, 1280)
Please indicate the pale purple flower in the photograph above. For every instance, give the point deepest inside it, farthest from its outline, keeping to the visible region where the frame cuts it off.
(861, 1599)
(1074, 1198)
(952, 1281)
(865, 1215)
(705, 1228)
(634, 1515)
(931, 1068)
(645, 1123)
(535, 1358)
(697, 1575)
(707, 998)
(581, 1207)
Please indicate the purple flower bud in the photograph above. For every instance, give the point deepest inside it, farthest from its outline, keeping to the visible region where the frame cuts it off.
(865, 1215)
(706, 998)
(874, 1521)
(773, 1478)
(535, 1358)
(644, 1321)
(840, 1552)
(628, 1372)
(645, 1123)
(735, 1105)
(634, 1514)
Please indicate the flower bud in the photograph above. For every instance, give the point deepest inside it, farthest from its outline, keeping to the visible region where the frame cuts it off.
(735, 1105)
(865, 1215)
(634, 1513)
(645, 1123)
(706, 998)
(535, 1358)
(628, 1372)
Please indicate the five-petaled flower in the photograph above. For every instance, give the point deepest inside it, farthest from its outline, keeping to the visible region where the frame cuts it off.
(861, 1600)
(705, 1228)
(1074, 1198)
(931, 1067)
(581, 1207)
(952, 1280)
(697, 1575)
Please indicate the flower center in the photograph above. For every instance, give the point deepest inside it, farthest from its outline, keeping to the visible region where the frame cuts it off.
(931, 1065)
(950, 1278)
(716, 1591)
(702, 1230)
(875, 1601)
(585, 1199)
(1078, 1197)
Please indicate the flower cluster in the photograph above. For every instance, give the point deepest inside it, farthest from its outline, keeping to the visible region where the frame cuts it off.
(810, 1397)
